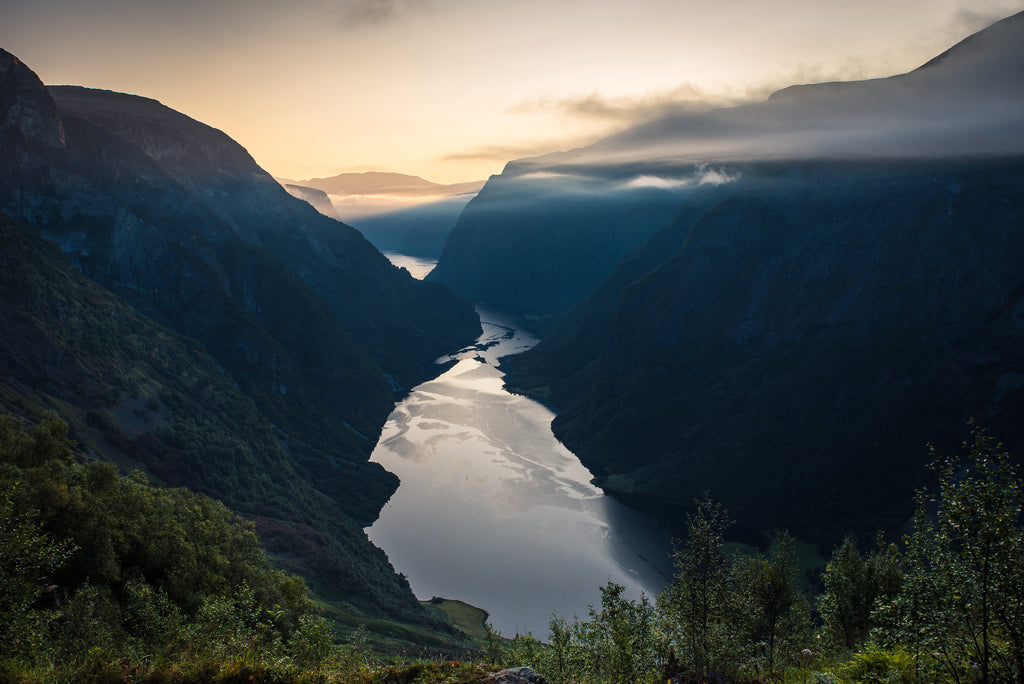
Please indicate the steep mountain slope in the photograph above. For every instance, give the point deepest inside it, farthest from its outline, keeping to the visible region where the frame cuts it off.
(850, 292)
(810, 335)
(535, 243)
(400, 323)
(317, 198)
(313, 325)
(135, 393)
(544, 233)
(135, 230)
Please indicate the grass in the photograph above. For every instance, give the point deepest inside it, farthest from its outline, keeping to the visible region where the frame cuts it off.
(466, 618)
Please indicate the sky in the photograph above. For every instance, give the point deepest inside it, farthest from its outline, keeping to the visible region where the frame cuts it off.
(452, 89)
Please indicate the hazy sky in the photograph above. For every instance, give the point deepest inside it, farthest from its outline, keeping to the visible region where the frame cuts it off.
(452, 89)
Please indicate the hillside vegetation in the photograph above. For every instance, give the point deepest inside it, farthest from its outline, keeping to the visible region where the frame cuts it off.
(109, 579)
(150, 399)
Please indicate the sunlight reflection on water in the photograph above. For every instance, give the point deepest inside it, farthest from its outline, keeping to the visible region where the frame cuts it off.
(493, 510)
(418, 267)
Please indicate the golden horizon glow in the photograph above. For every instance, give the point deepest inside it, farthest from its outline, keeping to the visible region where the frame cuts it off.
(451, 90)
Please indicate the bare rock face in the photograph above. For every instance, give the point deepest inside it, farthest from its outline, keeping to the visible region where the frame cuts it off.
(24, 110)
(517, 675)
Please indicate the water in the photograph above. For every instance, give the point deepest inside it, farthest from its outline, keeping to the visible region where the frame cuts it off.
(418, 267)
(493, 510)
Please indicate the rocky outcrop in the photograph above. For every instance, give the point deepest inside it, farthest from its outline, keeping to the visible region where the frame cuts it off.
(516, 675)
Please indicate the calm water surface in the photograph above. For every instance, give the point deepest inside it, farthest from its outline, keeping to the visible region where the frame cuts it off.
(418, 267)
(493, 510)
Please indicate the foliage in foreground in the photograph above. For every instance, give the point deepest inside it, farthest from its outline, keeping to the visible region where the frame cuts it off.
(107, 579)
(945, 605)
(99, 568)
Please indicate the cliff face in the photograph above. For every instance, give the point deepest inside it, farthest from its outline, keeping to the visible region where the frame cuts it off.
(312, 324)
(807, 338)
(318, 199)
(400, 323)
(535, 244)
(844, 290)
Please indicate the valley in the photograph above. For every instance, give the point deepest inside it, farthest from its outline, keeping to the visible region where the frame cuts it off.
(493, 510)
(609, 413)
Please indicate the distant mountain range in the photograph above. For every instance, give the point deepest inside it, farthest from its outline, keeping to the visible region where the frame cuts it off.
(385, 183)
(308, 328)
(783, 302)
(396, 212)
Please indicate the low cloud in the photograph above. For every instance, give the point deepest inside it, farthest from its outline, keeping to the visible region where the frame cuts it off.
(702, 175)
(515, 151)
(631, 109)
(971, 18)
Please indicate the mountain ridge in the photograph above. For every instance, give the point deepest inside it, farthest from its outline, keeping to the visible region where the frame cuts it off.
(313, 325)
(829, 293)
(385, 183)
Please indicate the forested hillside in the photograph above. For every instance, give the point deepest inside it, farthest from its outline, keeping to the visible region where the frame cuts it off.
(207, 327)
(140, 395)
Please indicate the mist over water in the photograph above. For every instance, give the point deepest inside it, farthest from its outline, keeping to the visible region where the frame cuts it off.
(493, 510)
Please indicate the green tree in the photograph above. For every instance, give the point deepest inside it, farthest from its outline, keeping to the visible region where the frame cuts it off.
(854, 586)
(139, 571)
(621, 637)
(693, 606)
(566, 658)
(769, 608)
(962, 604)
(619, 643)
(27, 558)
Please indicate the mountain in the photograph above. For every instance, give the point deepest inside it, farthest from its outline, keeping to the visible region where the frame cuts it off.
(397, 224)
(138, 394)
(815, 313)
(314, 327)
(401, 324)
(541, 236)
(794, 348)
(396, 212)
(535, 243)
(318, 198)
(387, 183)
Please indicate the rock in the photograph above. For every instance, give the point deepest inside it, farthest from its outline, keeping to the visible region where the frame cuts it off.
(516, 675)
